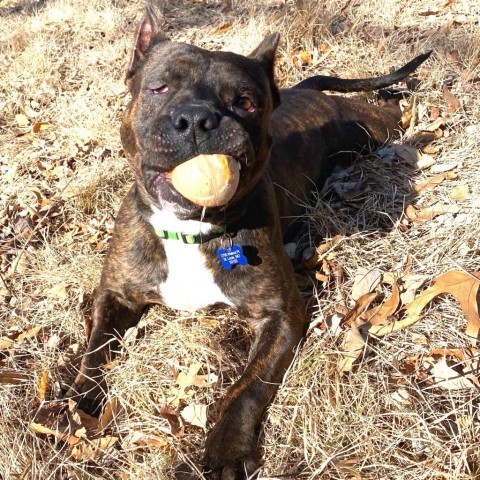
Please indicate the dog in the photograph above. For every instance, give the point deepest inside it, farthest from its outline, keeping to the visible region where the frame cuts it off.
(187, 101)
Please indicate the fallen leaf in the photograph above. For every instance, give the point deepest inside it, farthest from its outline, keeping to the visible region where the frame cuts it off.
(460, 193)
(195, 414)
(425, 137)
(411, 155)
(110, 412)
(322, 250)
(420, 215)
(41, 126)
(353, 339)
(204, 380)
(451, 99)
(411, 283)
(432, 182)
(173, 420)
(63, 420)
(366, 280)
(6, 342)
(401, 397)
(446, 377)
(42, 429)
(22, 120)
(57, 291)
(379, 315)
(352, 347)
(93, 449)
(222, 28)
(302, 59)
(462, 285)
(443, 167)
(142, 440)
(425, 161)
(360, 306)
(321, 277)
(12, 377)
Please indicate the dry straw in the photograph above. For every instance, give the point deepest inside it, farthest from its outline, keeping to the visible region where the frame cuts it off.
(62, 178)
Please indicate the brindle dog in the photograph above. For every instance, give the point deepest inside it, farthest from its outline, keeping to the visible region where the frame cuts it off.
(188, 101)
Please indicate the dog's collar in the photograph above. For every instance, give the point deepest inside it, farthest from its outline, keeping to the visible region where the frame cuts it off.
(188, 238)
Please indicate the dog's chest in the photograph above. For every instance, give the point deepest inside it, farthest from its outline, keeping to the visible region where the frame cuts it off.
(189, 285)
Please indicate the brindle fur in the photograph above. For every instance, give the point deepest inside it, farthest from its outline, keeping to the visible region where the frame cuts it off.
(309, 130)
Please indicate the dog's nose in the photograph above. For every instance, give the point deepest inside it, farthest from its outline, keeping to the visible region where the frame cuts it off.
(196, 118)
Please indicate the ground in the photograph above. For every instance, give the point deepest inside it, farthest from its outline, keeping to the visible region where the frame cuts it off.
(396, 414)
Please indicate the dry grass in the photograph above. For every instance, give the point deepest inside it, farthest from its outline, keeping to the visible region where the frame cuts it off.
(63, 63)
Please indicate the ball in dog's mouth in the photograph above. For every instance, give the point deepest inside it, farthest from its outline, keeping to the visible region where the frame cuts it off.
(207, 180)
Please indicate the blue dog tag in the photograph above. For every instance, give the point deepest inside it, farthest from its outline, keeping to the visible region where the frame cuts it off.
(232, 256)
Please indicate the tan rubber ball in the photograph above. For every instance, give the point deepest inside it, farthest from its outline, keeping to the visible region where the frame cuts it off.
(207, 180)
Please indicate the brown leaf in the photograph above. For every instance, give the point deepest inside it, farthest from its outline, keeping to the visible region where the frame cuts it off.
(6, 342)
(222, 28)
(462, 354)
(58, 291)
(142, 440)
(93, 449)
(353, 339)
(432, 182)
(42, 429)
(13, 377)
(423, 137)
(360, 306)
(379, 315)
(111, 410)
(451, 99)
(322, 250)
(63, 420)
(462, 285)
(173, 420)
(302, 59)
(434, 112)
(204, 380)
(41, 126)
(353, 344)
(321, 277)
(53, 418)
(420, 215)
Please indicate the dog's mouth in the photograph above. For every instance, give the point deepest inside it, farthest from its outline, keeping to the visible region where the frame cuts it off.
(203, 181)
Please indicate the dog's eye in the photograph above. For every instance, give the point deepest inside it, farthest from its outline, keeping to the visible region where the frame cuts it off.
(246, 104)
(159, 90)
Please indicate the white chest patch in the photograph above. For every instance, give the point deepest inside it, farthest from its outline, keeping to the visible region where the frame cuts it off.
(189, 284)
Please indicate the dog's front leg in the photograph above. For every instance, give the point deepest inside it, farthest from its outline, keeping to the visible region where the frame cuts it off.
(111, 317)
(231, 447)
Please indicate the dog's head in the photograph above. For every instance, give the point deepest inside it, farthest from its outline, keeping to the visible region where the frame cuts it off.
(188, 101)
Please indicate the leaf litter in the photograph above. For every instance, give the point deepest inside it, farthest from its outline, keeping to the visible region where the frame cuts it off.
(391, 316)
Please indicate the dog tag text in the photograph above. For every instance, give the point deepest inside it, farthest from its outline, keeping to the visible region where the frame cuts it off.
(232, 256)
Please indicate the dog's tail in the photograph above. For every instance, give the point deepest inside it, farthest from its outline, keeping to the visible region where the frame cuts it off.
(321, 82)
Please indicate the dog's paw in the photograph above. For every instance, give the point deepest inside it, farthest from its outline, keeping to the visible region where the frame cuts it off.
(89, 394)
(230, 452)
(241, 469)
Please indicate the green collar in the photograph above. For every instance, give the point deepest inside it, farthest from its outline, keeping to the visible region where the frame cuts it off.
(190, 238)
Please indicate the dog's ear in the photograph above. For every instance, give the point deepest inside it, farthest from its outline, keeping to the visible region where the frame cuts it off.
(148, 34)
(265, 55)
